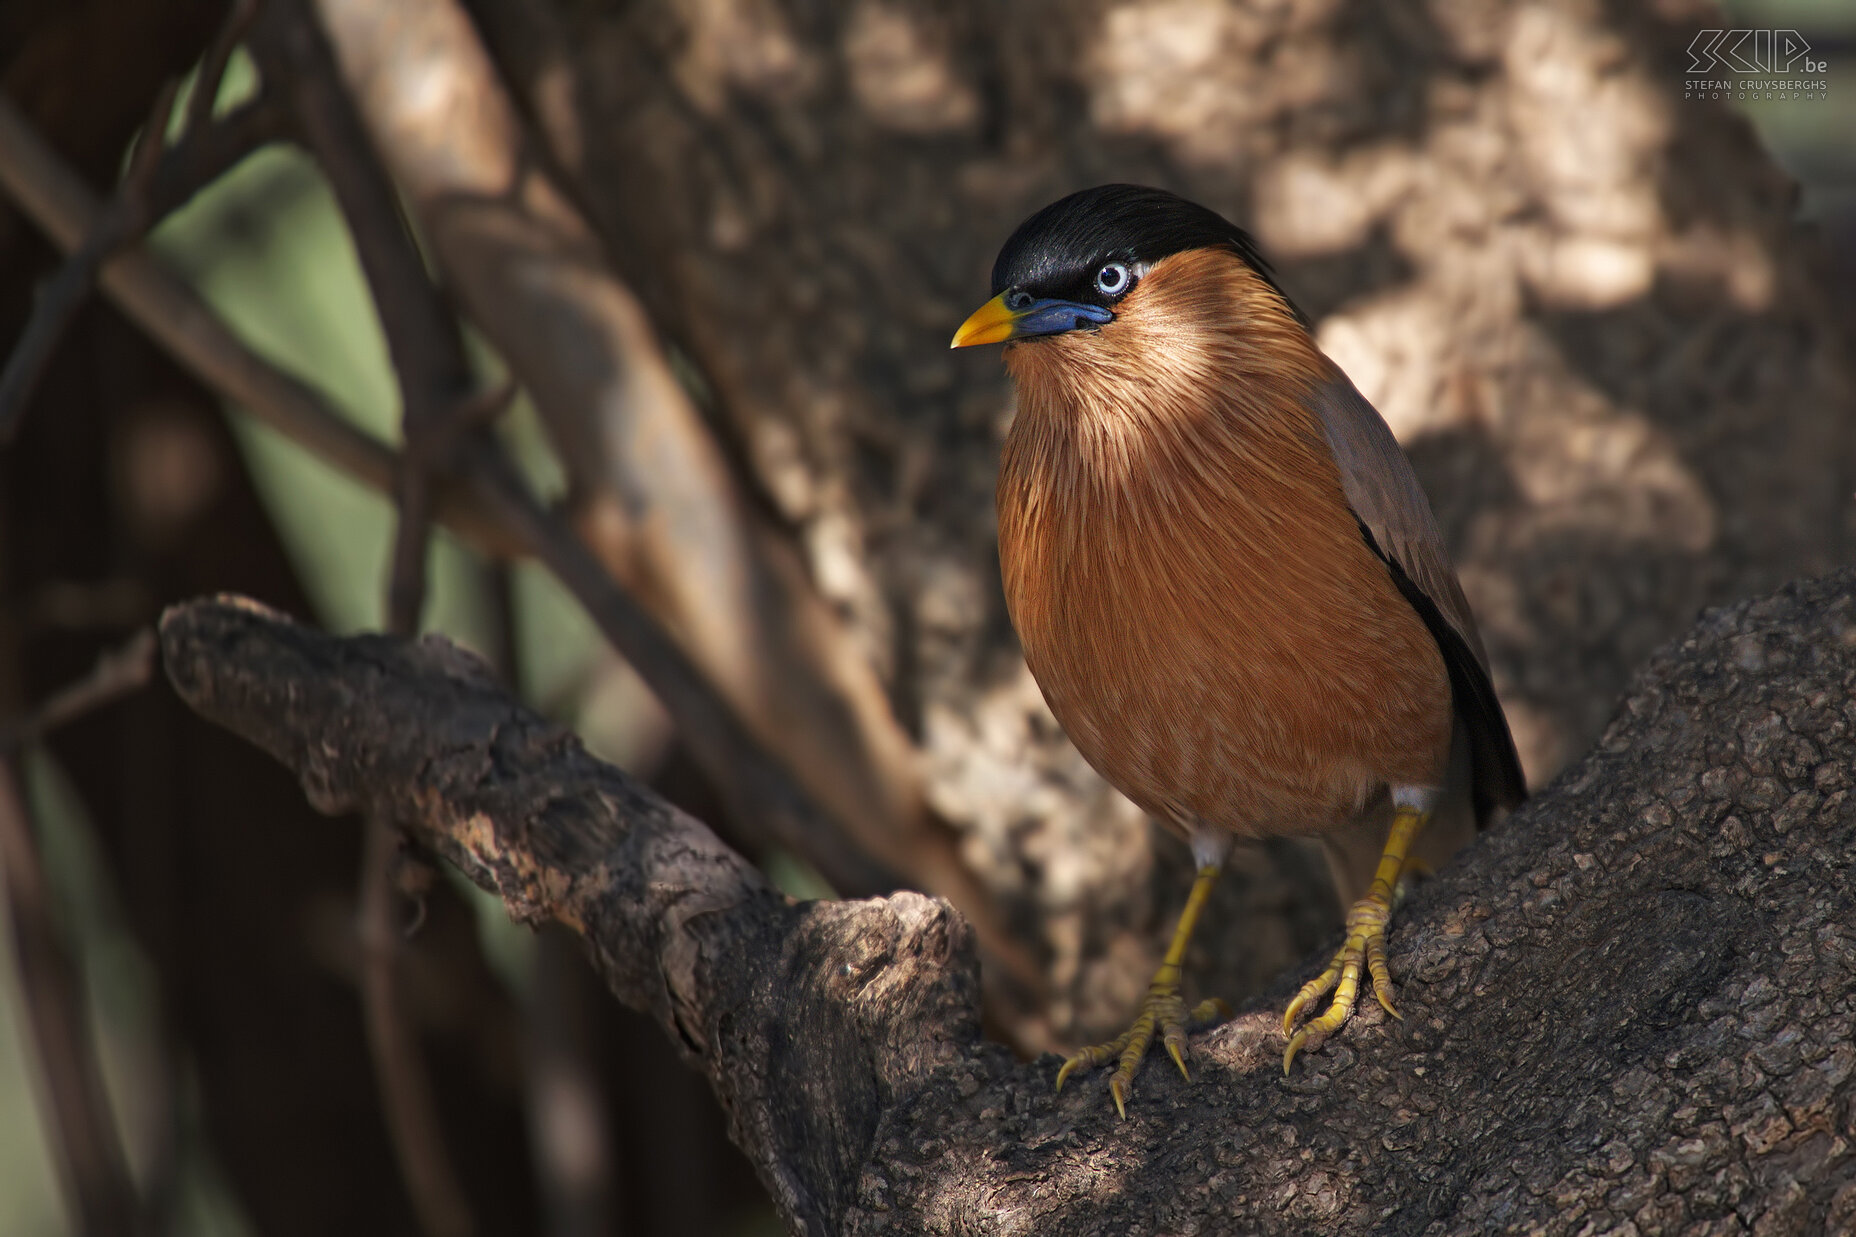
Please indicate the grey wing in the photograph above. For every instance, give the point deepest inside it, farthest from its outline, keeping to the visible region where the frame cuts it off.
(1396, 521)
(1388, 501)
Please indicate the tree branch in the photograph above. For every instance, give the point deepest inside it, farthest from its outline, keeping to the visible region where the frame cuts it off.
(1630, 1003)
(175, 316)
(159, 180)
(87, 1146)
(118, 672)
(679, 925)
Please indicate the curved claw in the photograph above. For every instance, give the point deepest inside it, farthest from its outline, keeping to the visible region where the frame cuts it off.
(1363, 950)
(1172, 1050)
(1381, 974)
(1163, 1012)
(1312, 991)
(1097, 1054)
(1295, 1045)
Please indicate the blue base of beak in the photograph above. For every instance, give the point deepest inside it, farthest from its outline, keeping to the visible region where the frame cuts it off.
(1056, 317)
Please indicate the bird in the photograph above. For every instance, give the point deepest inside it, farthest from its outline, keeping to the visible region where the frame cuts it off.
(1228, 583)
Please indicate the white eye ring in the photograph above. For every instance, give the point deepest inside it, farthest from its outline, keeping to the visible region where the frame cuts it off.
(1113, 279)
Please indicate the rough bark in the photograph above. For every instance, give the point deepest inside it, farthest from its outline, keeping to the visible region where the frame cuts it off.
(1630, 1004)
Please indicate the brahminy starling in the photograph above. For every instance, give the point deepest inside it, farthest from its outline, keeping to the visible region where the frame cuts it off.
(1227, 580)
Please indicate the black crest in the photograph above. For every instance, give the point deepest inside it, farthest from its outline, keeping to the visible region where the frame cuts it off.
(1057, 252)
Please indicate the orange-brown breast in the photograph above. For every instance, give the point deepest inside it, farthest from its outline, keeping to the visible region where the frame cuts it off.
(1191, 590)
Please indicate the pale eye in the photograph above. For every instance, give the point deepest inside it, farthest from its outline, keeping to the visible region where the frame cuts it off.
(1113, 279)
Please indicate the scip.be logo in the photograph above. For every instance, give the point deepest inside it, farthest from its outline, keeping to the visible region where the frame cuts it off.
(1752, 51)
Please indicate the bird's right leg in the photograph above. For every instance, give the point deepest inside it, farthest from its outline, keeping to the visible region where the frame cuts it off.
(1163, 1010)
(1364, 949)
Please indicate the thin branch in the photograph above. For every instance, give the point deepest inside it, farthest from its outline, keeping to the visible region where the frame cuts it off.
(119, 672)
(434, 374)
(399, 1068)
(212, 72)
(87, 1146)
(150, 146)
(434, 381)
(175, 316)
(60, 298)
(432, 444)
(158, 181)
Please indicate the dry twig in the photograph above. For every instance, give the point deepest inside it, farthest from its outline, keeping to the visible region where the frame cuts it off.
(118, 672)
(159, 180)
(177, 318)
(87, 1146)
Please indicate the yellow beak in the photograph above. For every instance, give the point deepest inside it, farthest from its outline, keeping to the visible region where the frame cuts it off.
(991, 323)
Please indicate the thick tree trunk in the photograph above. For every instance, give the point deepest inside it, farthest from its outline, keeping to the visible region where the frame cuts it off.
(1632, 1003)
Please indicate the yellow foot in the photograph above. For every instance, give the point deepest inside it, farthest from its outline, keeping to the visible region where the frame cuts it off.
(1164, 1010)
(1366, 936)
(1365, 946)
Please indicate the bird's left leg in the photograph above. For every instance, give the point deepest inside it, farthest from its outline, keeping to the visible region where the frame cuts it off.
(1163, 1009)
(1365, 946)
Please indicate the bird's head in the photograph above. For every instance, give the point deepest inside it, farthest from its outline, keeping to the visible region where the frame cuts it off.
(1074, 265)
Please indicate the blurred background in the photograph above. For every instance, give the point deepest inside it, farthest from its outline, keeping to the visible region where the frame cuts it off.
(717, 248)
